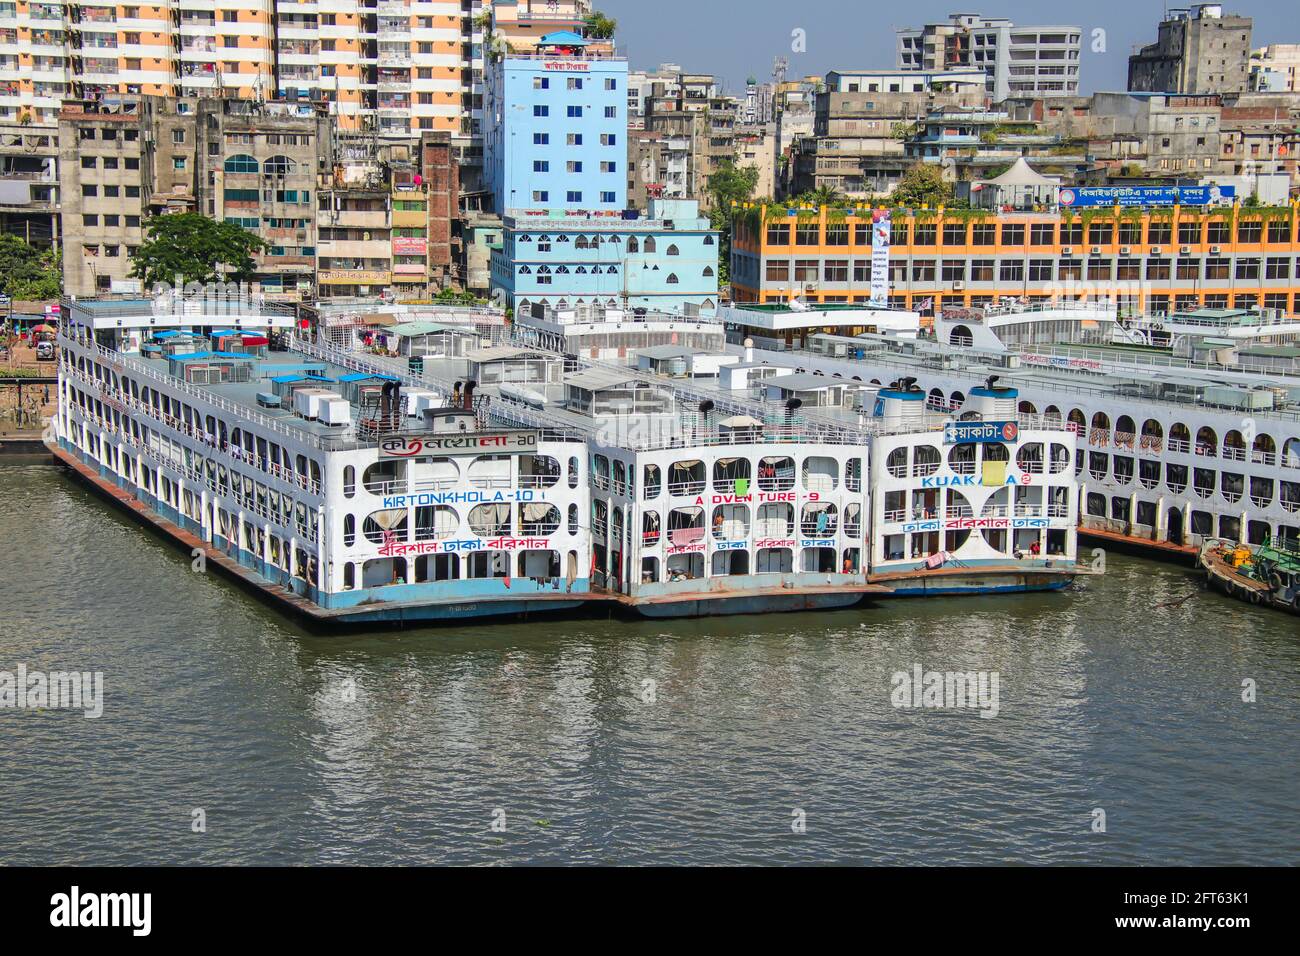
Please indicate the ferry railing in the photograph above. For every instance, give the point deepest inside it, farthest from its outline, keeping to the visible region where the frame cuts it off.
(896, 514)
(389, 487)
(211, 442)
(809, 529)
(962, 467)
(897, 471)
(1234, 453)
(434, 484)
(139, 369)
(931, 358)
(538, 528)
(1179, 445)
(730, 531)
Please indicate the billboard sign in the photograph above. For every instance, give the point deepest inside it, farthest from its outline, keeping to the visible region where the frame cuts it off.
(1078, 197)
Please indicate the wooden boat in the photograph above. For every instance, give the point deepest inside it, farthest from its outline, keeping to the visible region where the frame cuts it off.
(1264, 575)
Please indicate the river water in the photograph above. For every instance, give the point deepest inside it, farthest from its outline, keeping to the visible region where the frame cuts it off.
(405, 747)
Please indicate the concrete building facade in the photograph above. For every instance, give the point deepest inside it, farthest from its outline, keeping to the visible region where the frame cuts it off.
(1016, 60)
(1197, 50)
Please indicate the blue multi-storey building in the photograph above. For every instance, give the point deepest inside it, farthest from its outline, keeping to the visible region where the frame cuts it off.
(663, 262)
(555, 128)
(554, 158)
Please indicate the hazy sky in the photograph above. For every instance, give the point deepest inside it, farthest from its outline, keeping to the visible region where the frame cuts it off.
(734, 39)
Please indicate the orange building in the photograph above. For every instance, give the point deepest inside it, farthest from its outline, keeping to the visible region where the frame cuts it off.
(1153, 260)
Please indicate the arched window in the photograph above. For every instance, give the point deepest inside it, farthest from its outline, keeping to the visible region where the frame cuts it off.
(278, 166)
(673, 250)
(649, 244)
(241, 164)
(708, 270)
(672, 278)
(633, 245)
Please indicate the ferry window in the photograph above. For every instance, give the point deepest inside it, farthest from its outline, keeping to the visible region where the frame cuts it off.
(653, 481)
(389, 522)
(573, 472)
(349, 576)
(649, 570)
(349, 481)
(573, 519)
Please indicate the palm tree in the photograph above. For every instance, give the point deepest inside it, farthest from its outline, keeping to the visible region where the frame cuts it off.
(822, 196)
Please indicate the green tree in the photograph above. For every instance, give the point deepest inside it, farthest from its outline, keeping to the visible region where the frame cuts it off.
(922, 184)
(599, 26)
(27, 272)
(195, 248)
(822, 196)
(729, 183)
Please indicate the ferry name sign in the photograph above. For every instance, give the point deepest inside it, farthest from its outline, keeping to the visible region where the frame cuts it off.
(508, 443)
(957, 433)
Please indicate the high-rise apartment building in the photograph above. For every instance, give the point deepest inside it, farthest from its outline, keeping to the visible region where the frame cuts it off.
(1197, 50)
(1017, 60)
(555, 123)
(396, 66)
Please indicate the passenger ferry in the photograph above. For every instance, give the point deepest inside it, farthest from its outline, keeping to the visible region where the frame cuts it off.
(362, 488)
(1176, 446)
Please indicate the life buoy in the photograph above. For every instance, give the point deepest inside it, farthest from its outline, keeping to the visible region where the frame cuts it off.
(1255, 597)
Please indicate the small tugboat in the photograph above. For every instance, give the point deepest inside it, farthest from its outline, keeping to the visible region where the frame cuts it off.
(1261, 574)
